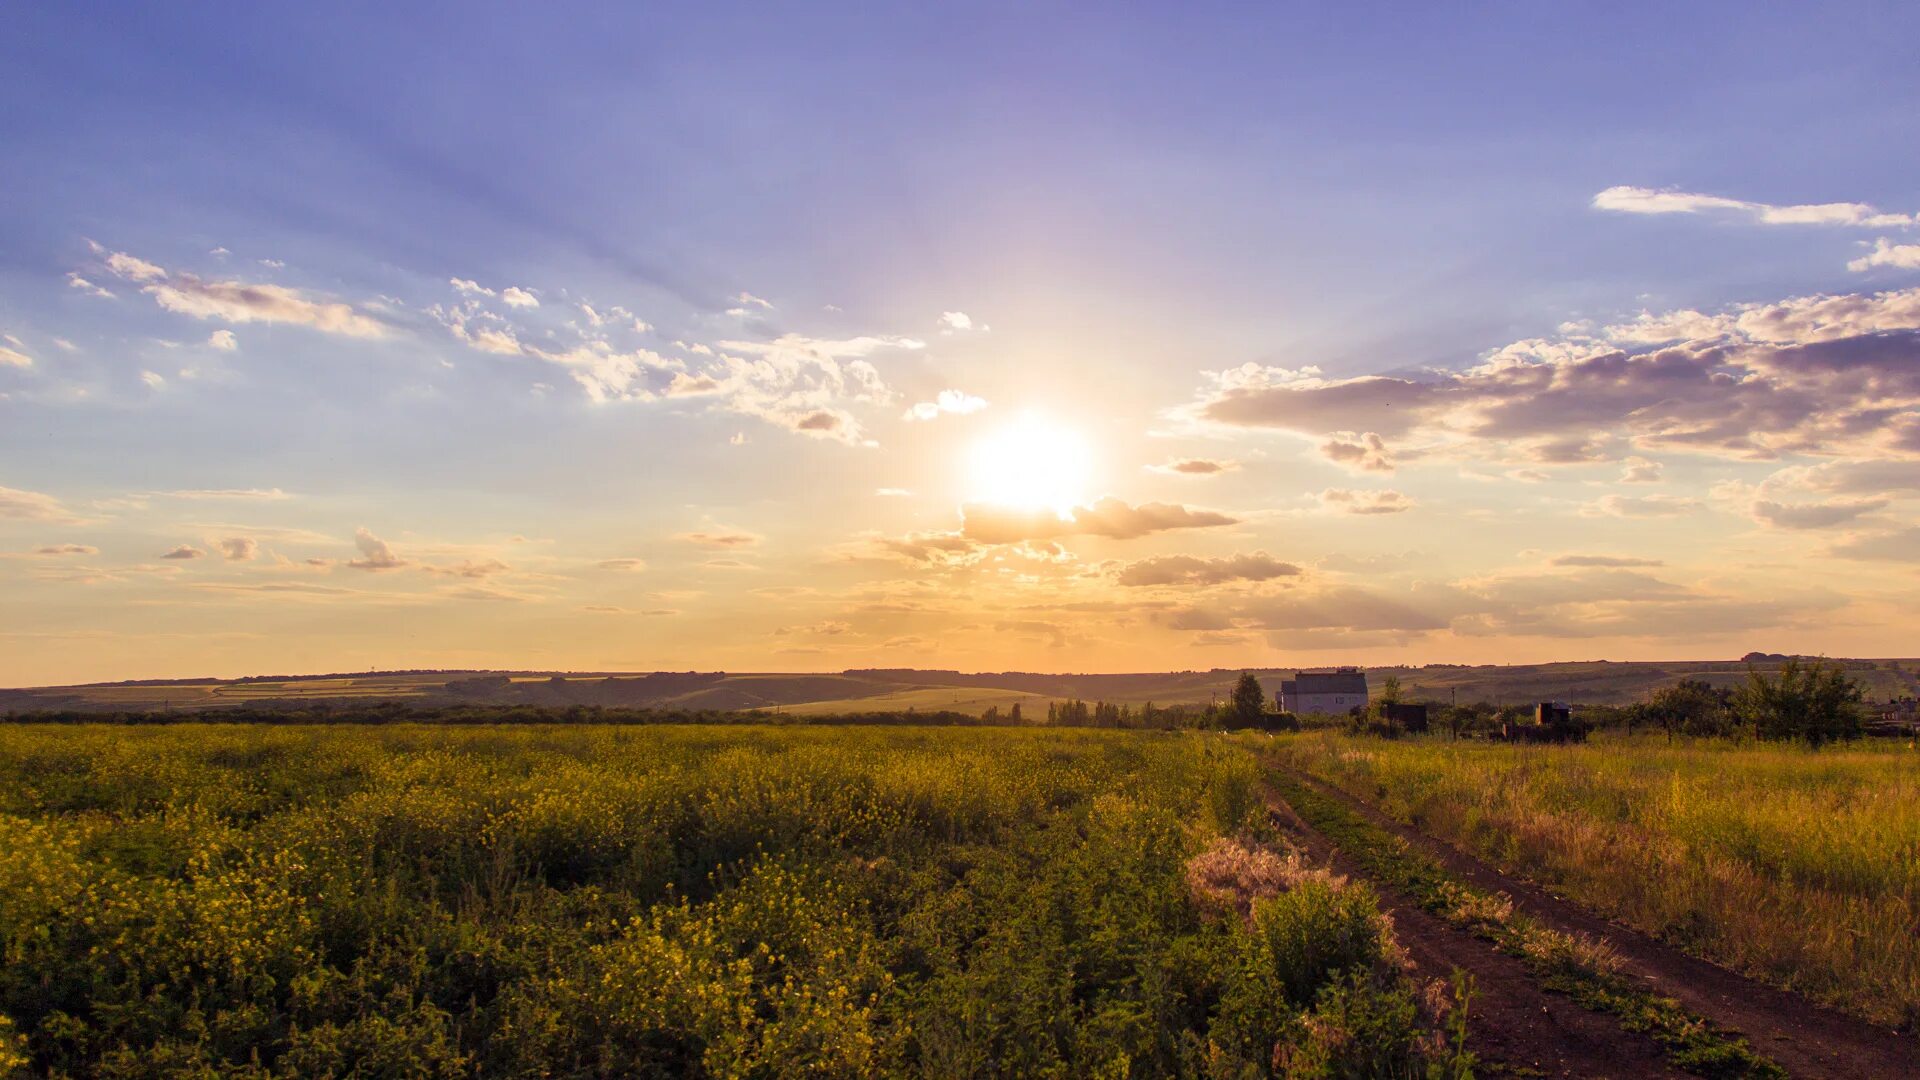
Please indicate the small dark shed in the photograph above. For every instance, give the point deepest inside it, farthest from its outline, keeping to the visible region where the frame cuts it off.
(1412, 718)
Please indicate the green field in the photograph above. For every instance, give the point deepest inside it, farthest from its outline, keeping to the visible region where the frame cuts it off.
(241, 901)
(1583, 682)
(1801, 868)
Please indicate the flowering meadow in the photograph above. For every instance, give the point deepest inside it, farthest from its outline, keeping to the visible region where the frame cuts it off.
(532, 901)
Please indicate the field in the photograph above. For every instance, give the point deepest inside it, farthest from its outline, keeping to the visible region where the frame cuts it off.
(1799, 868)
(223, 900)
(1591, 683)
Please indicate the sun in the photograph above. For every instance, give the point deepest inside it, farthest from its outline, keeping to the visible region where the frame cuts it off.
(1031, 464)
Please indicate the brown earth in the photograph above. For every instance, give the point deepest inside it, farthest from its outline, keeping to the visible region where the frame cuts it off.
(1805, 1038)
(1514, 1026)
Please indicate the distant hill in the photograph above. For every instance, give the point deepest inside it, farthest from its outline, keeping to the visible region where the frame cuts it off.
(1596, 682)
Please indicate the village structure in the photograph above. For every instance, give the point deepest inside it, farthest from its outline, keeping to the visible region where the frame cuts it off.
(1330, 692)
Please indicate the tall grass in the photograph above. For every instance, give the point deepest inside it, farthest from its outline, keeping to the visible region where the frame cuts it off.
(1799, 867)
(220, 900)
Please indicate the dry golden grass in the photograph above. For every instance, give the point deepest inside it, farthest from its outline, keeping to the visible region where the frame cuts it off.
(1799, 867)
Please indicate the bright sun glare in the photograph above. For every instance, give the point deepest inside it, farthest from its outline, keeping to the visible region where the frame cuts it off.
(1031, 465)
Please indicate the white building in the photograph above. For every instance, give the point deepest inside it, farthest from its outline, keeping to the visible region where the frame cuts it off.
(1332, 692)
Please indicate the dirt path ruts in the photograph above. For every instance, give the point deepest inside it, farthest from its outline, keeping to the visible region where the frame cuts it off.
(1806, 1039)
(1512, 1022)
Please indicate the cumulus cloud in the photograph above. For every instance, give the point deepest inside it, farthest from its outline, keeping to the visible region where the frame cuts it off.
(184, 551)
(514, 296)
(1640, 506)
(1366, 451)
(241, 302)
(1819, 515)
(1887, 253)
(1196, 570)
(375, 554)
(1817, 374)
(958, 321)
(223, 340)
(1195, 467)
(469, 287)
(239, 548)
(954, 402)
(1108, 517)
(1639, 470)
(1640, 200)
(133, 268)
(1385, 501)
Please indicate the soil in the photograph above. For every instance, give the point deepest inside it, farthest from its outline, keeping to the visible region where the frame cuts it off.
(1807, 1039)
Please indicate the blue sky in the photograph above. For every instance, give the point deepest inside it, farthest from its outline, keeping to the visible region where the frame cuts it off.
(1119, 202)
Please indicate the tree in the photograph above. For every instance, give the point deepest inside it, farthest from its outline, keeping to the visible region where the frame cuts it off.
(1390, 690)
(1810, 700)
(1013, 714)
(1690, 707)
(1249, 702)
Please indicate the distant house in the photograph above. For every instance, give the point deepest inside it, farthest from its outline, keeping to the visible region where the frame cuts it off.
(1331, 692)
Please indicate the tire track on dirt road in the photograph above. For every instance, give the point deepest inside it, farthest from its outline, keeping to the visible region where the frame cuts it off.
(1808, 1040)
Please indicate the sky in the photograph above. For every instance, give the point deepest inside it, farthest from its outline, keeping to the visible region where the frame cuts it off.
(1025, 336)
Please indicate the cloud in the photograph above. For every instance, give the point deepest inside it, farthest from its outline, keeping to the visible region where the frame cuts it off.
(1813, 374)
(75, 281)
(1385, 501)
(1884, 253)
(514, 296)
(154, 380)
(184, 552)
(720, 538)
(469, 287)
(627, 565)
(685, 385)
(1900, 545)
(375, 554)
(470, 568)
(241, 302)
(223, 340)
(66, 549)
(13, 357)
(1640, 506)
(1639, 200)
(746, 298)
(1366, 452)
(955, 402)
(133, 268)
(1609, 561)
(34, 506)
(1195, 570)
(1819, 515)
(958, 322)
(237, 494)
(1108, 517)
(239, 548)
(1639, 470)
(1195, 467)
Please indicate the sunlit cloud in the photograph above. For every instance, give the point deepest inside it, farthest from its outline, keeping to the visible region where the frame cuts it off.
(1640, 200)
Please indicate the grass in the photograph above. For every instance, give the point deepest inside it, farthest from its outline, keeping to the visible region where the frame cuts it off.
(741, 901)
(1801, 868)
(1583, 969)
